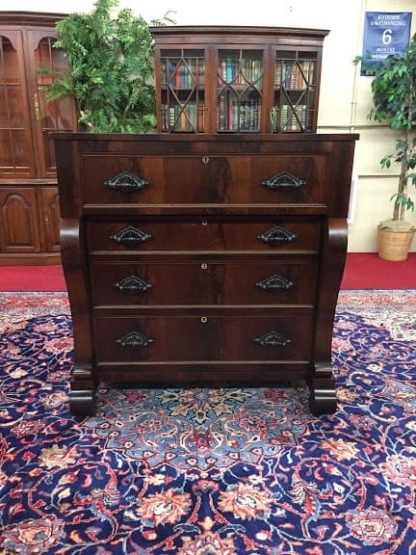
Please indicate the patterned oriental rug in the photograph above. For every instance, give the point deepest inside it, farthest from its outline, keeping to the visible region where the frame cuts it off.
(204, 471)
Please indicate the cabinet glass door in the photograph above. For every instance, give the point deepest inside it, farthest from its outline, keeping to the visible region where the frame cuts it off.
(49, 64)
(16, 155)
(239, 90)
(294, 92)
(183, 90)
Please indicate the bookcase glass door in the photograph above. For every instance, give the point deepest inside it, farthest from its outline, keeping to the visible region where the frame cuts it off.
(16, 155)
(294, 92)
(183, 90)
(49, 64)
(239, 92)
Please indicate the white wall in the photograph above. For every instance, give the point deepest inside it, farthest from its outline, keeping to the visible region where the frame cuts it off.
(345, 96)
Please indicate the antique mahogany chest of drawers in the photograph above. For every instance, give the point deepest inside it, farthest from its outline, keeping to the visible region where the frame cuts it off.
(203, 259)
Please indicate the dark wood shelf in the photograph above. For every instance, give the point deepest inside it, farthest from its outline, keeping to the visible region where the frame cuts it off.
(227, 52)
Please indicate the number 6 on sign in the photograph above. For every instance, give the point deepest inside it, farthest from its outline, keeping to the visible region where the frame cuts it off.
(387, 36)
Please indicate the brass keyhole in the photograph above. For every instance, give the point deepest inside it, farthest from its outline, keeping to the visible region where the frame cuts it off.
(204, 319)
(204, 222)
(204, 266)
(205, 159)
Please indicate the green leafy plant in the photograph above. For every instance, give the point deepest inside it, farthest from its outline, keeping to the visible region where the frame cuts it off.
(394, 98)
(110, 69)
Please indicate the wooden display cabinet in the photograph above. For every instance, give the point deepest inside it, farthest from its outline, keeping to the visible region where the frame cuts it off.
(237, 79)
(28, 192)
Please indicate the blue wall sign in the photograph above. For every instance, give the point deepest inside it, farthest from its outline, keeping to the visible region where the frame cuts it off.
(385, 33)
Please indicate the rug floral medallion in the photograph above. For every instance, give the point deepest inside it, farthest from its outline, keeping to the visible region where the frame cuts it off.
(210, 471)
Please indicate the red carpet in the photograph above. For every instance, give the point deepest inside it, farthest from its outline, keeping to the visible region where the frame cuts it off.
(368, 271)
(362, 271)
(32, 278)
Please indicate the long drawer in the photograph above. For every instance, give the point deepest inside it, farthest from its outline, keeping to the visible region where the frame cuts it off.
(208, 234)
(204, 337)
(205, 281)
(130, 179)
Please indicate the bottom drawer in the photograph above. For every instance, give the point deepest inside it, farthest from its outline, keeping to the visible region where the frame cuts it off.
(202, 338)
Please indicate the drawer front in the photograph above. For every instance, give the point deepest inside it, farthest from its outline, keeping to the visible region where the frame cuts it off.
(200, 179)
(209, 282)
(204, 235)
(187, 338)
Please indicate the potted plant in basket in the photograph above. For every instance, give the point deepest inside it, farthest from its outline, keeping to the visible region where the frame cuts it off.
(394, 97)
(110, 69)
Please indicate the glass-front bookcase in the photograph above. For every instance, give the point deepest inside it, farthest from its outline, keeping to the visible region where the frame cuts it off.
(237, 79)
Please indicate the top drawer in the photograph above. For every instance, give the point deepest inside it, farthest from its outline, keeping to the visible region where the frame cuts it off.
(198, 179)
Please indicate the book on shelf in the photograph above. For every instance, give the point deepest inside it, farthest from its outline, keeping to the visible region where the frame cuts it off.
(297, 75)
(183, 74)
(247, 70)
(292, 118)
(235, 115)
(184, 118)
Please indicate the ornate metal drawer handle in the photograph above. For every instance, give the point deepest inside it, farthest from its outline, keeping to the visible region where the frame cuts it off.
(126, 182)
(134, 339)
(130, 236)
(275, 282)
(132, 285)
(276, 236)
(284, 181)
(272, 339)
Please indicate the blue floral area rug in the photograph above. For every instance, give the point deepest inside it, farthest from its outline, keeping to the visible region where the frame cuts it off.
(210, 471)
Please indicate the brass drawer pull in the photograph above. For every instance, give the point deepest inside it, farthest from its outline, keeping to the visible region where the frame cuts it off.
(284, 181)
(204, 223)
(134, 340)
(130, 236)
(126, 182)
(275, 283)
(272, 339)
(132, 285)
(276, 236)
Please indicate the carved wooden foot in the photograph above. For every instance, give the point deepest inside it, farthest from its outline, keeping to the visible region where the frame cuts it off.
(82, 403)
(323, 395)
(82, 395)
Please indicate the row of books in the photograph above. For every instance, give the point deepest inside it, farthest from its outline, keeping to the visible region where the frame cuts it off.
(234, 115)
(183, 118)
(184, 75)
(294, 75)
(232, 69)
(292, 118)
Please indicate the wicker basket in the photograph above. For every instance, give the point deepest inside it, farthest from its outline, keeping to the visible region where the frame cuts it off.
(394, 245)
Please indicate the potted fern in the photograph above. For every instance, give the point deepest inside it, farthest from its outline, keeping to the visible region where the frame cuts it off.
(394, 98)
(110, 69)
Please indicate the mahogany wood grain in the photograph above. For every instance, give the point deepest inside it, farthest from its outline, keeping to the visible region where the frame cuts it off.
(205, 281)
(200, 312)
(203, 374)
(204, 337)
(220, 179)
(26, 150)
(205, 234)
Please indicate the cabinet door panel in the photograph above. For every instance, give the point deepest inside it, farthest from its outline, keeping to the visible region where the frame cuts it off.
(50, 213)
(16, 152)
(19, 222)
(46, 65)
(240, 89)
